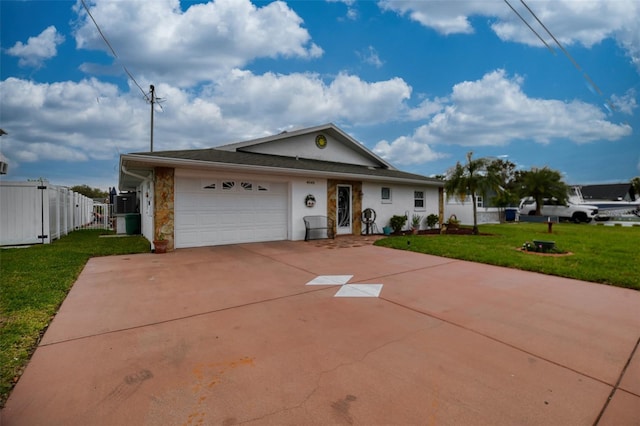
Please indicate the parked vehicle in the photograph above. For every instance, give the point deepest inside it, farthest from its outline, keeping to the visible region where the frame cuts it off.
(608, 208)
(570, 211)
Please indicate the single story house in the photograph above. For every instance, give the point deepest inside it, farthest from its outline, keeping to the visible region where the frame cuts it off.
(260, 190)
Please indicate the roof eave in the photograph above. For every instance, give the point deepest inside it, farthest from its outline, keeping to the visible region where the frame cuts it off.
(177, 162)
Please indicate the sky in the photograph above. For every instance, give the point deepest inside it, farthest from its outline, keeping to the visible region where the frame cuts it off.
(420, 83)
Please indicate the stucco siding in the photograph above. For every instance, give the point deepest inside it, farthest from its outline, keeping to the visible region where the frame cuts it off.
(304, 146)
(402, 201)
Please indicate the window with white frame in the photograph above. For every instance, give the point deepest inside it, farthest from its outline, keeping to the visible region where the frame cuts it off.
(385, 194)
(418, 200)
(479, 201)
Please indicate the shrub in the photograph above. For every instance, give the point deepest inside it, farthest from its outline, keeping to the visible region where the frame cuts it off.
(432, 219)
(397, 222)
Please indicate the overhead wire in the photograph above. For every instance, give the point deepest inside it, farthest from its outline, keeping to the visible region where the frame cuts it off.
(530, 27)
(557, 42)
(115, 55)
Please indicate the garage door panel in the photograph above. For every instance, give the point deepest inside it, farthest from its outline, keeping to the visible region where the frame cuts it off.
(186, 219)
(214, 216)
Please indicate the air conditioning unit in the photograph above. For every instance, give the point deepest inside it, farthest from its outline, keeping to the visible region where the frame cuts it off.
(4, 168)
(126, 203)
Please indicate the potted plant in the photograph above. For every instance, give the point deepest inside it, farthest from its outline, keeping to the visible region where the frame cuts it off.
(415, 223)
(432, 220)
(160, 244)
(397, 223)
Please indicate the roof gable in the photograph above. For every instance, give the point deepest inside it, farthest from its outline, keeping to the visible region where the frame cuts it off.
(323, 143)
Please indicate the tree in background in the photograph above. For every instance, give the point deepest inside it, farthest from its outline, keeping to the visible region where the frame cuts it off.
(473, 178)
(635, 184)
(540, 184)
(87, 191)
(507, 175)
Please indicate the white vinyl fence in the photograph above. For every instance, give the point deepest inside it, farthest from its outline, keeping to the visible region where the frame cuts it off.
(38, 212)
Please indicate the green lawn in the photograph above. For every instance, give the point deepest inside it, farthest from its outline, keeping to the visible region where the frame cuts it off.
(34, 282)
(601, 254)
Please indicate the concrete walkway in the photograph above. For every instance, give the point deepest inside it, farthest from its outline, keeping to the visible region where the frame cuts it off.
(234, 335)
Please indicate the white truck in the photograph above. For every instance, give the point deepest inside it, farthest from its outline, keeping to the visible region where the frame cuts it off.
(575, 212)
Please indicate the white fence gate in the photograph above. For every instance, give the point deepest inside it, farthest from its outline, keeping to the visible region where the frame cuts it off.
(38, 212)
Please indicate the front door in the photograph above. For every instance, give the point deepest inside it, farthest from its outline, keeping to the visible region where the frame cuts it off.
(343, 216)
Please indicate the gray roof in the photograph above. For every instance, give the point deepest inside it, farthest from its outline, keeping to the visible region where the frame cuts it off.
(216, 156)
(612, 191)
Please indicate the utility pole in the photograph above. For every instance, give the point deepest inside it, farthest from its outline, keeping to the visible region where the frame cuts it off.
(152, 101)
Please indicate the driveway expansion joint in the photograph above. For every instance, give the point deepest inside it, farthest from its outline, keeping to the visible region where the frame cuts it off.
(502, 342)
(617, 385)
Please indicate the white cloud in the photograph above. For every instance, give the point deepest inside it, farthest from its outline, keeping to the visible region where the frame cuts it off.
(407, 150)
(197, 44)
(370, 56)
(571, 21)
(307, 99)
(94, 120)
(494, 111)
(67, 121)
(37, 49)
(352, 13)
(446, 17)
(625, 103)
(426, 109)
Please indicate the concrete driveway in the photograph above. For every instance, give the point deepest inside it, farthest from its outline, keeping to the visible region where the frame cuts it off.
(234, 335)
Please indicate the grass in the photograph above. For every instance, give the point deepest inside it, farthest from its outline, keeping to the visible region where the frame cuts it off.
(35, 281)
(601, 254)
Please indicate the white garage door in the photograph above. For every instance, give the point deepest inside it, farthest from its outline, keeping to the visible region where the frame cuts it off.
(226, 211)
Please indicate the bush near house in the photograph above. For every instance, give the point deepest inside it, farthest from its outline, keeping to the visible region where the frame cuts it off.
(432, 220)
(397, 222)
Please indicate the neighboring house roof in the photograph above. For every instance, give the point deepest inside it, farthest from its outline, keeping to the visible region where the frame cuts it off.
(136, 167)
(613, 192)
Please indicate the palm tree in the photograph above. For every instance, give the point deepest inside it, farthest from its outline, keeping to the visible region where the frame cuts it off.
(473, 178)
(542, 183)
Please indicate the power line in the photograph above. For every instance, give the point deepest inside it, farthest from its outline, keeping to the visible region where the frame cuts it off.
(566, 53)
(552, 36)
(113, 50)
(530, 27)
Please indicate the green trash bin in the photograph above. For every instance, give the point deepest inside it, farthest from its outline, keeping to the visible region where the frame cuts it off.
(132, 223)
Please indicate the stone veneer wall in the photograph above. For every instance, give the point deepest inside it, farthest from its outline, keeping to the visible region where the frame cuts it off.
(356, 203)
(163, 209)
